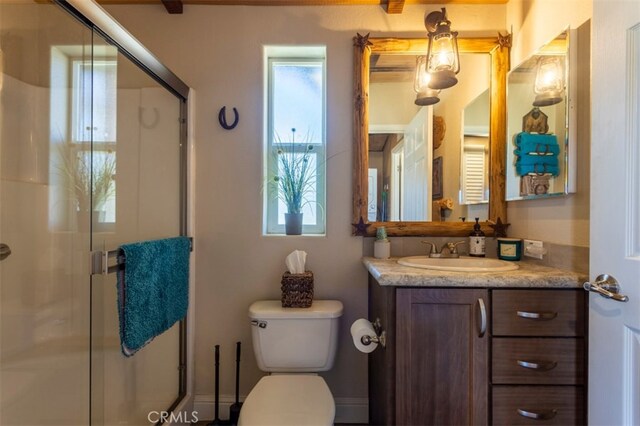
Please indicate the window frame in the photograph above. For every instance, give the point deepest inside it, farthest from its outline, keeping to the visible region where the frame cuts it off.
(271, 200)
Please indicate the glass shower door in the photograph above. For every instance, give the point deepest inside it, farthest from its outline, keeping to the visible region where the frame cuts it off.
(89, 159)
(44, 286)
(135, 152)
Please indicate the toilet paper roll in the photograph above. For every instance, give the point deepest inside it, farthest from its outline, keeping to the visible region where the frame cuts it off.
(362, 327)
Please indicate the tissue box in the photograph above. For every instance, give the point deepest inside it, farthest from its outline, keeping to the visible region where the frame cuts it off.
(297, 290)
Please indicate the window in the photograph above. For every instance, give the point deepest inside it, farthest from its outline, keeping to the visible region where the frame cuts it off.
(94, 128)
(94, 117)
(295, 134)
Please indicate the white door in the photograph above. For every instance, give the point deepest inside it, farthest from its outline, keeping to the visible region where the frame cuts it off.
(614, 326)
(416, 176)
(395, 195)
(372, 203)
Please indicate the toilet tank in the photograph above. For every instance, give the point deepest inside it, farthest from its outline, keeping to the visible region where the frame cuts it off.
(295, 339)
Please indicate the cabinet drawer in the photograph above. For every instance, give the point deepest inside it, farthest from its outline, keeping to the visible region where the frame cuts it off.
(538, 361)
(538, 312)
(552, 405)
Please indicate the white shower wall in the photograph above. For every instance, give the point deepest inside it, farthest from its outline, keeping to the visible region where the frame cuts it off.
(44, 295)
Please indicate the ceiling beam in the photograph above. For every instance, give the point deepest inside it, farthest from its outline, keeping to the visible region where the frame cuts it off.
(297, 2)
(173, 6)
(395, 6)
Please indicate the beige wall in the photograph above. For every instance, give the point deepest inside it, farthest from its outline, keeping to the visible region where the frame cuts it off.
(218, 52)
(558, 220)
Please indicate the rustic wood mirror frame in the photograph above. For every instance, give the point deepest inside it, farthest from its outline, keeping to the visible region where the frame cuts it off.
(498, 49)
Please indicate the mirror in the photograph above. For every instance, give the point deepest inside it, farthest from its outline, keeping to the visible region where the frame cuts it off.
(474, 157)
(540, 148)
(384, 125)
(414, 151)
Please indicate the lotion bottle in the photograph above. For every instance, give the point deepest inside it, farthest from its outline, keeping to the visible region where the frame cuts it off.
(477, 241)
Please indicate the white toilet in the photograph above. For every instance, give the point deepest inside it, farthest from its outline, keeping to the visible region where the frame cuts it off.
(292, 344)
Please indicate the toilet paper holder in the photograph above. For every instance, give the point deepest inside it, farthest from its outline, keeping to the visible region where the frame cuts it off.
(380, 337)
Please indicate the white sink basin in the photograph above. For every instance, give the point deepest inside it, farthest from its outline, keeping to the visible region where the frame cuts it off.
(461, 264)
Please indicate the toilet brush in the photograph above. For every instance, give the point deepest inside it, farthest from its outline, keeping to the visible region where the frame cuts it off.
(216, 420)
(234, 410)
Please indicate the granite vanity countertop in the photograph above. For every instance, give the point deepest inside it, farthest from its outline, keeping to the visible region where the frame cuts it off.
(388, 272)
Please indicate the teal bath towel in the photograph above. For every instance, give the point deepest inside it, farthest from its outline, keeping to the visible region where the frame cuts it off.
(537, 169)
(536, 154)
(525, 139)
(526, 159)
(153, 289)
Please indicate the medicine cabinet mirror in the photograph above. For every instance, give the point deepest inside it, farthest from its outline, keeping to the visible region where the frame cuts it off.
(388, 126)
(541, 124)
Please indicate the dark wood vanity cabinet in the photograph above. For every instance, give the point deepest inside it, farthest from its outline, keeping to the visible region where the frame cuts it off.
(539, 368)
(463, 356)
(434, 368)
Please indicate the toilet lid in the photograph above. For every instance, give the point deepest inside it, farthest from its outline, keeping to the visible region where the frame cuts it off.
(289, 400)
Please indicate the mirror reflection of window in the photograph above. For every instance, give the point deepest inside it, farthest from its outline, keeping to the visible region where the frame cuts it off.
(83, 113)
(94, 128)
(474, 171)
(94, 116)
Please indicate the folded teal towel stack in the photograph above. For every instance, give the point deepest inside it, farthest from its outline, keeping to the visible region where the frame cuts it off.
(538, 149)
(536, 154)
(525, 140)
(153, 290)
(527, 160)
(537, 169)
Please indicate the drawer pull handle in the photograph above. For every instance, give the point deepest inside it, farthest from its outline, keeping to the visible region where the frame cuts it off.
(538, 365)
(537, 315)
(545, 415)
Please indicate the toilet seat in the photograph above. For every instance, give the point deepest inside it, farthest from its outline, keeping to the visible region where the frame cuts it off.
(289, 400)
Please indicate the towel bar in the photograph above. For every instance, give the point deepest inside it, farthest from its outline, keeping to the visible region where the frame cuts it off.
(100, 260)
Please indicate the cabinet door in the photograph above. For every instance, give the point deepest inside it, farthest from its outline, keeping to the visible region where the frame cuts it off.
(442, 357)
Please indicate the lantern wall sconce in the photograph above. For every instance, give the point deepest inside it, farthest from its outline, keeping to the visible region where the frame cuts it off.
(549, 83)
(442, 60)
(425, 94)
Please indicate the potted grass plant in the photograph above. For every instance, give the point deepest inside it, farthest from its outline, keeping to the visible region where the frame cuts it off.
(295, 179)
(89, 189)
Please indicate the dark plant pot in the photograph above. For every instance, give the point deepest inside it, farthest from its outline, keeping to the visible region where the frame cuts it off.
(293, 223)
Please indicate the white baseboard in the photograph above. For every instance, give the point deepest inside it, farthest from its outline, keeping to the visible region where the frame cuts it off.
(352, 410)
(183, 414)
(348, 410)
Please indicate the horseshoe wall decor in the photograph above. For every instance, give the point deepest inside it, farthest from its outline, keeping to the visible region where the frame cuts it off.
(222, 118)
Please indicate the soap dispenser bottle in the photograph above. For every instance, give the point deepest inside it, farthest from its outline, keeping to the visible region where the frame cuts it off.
(476, 241)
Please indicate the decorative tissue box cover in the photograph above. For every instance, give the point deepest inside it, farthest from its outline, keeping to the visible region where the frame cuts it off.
(297, 290)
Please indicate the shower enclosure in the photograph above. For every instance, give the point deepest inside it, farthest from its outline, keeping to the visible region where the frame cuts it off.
(92, 155)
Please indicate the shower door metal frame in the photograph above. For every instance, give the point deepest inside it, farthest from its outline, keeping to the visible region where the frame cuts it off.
(94, 17)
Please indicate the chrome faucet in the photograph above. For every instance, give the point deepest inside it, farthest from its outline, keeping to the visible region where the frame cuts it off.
(448, 250)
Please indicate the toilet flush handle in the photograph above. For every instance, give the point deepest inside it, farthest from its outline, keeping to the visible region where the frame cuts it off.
(261, 324)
